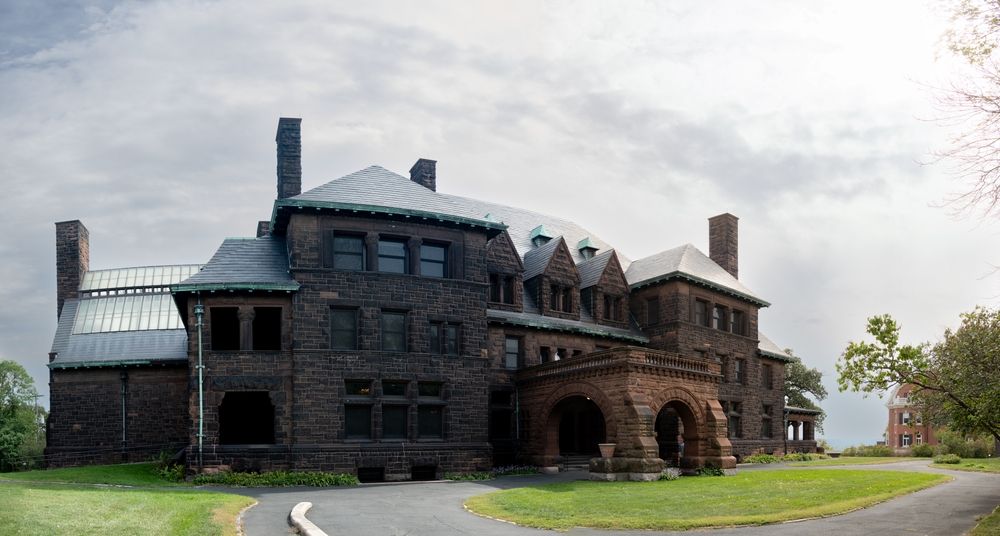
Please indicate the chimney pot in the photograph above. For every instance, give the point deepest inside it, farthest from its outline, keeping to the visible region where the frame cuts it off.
(723, 242)
(289, 141)
(424, 173)
(72, 260)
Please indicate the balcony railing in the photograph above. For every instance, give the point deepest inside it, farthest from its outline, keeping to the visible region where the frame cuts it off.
(617, 357)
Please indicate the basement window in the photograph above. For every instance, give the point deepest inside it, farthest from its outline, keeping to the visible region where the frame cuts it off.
(246, 418)
(224, 322)
(267, 328)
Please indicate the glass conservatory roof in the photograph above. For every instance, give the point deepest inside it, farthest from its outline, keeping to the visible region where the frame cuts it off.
(130, 312)
(151, 277)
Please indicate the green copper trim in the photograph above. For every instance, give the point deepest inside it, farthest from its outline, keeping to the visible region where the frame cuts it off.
(694, 279)
(540, 231)
(117, 363)
(376, 209)
(552, 326)
(586, 243)
(286, 287)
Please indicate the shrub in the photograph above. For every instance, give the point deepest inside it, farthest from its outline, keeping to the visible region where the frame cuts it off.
(668, 475)
(496, 472)
(965, 447)
(947, 458)
(277, 479)
(798, 457)
(711, 470)
(168, 469)
(922, 451)
(479, 475)
(867, 450)
(761, 458)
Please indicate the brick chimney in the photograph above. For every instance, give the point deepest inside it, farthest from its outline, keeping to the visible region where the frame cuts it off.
(723, 242)
(72, 260)
(424, 173)
(289, 140)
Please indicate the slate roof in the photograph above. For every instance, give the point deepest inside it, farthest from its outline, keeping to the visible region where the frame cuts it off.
(244, 263)
(536, 260)
(769, 349)
(380, 191)
(561, 324)
(592, 269)
(116, 348)
(688, 262)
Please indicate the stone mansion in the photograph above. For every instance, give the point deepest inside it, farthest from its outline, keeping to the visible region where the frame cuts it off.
(377, 326)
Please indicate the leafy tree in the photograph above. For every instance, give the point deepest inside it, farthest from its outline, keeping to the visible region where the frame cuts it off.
(18, 414)
(801, 382)
(956, 378)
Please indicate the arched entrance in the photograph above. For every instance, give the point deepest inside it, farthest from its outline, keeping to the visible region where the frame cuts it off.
(677, 433)
(581, 425)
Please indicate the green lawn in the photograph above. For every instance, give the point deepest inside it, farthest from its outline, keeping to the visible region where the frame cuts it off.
(40, 503)
(132, 474)
(989, 525)
(749, 498)
(980, 465)
(850, 460)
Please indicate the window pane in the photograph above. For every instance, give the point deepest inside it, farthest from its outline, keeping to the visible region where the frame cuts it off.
(430, 420)
(392, 265)
(429, 389)
(451, 339)
(343, 329)
(358, 422)
(394, 388)
(508, 290)
(394, 332)
(394, 422)
(435, 338)
(512, 352)
(432, 253)
(432, 268)
(358, 387)
(391, 248)
(494, 288)
(392, 256)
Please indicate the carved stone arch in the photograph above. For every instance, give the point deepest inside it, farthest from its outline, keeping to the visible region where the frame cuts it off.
(676, 393)
(677, 403)
(547, 426)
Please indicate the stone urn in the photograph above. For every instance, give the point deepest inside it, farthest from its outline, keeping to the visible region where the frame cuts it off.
(607, 449)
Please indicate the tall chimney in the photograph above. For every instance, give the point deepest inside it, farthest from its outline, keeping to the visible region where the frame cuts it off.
(723, 242)
(424, 173)
(289, 140)
(72, 260)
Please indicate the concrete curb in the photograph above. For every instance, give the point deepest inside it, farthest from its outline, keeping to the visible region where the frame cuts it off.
(299, 521)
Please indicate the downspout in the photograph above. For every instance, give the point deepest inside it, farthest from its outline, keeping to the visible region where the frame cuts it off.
(124, 395)
(199, 313)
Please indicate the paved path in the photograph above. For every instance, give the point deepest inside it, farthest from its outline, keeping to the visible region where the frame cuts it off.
(435, 509)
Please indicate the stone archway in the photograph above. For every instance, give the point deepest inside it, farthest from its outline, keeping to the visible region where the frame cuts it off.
(565, 401)
(581, 426)
(701, 425)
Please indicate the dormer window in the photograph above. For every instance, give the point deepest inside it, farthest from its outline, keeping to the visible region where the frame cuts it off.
(540, 236)
(587, 248)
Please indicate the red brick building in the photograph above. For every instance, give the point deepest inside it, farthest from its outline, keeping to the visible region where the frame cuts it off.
(906, 426)
(377, 326)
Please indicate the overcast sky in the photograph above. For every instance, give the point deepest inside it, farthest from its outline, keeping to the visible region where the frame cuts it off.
(153, 123)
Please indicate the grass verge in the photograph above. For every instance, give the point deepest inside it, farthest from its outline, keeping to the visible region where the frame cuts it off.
(749, 498)
(130, 474)
(988, 526)
(979, 465)
(850, 460)
(43, 509)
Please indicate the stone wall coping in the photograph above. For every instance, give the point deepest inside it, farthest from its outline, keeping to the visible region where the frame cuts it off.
(303, 525)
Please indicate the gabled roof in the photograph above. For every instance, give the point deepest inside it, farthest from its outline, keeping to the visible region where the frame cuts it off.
(537, 260)
(376, 190)
(592, 269)
(244, 264)
(687, 262)
(769, 349)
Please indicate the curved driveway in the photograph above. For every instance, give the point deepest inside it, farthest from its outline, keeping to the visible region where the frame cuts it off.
(435, 509)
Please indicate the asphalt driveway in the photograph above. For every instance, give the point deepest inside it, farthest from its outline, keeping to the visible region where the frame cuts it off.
(435, 509)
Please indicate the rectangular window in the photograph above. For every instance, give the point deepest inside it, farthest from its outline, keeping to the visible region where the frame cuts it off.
(653, 311)
(765, 425)
(766, 377)
(739, 366)
(430, 422)
(906, 440)
(348, 252)
(429, 389)
(508, 289)
(394, 388)
(435, 337)
(619, 309)
(344, 329)
(393, 332)
(225, 325)
(554, 301)
(394, 421)
(906, 417)
(495, 288)
(735, 413)
(607, 307)
(451, 339)
(358, 421)
(392, 256)
(737, 324)
(512, 352)
(433, 260)
(919, 419)
(267, 328)
(719, 320)
(545, 354)
(358, 387)
(701, 312)
(567, 300)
